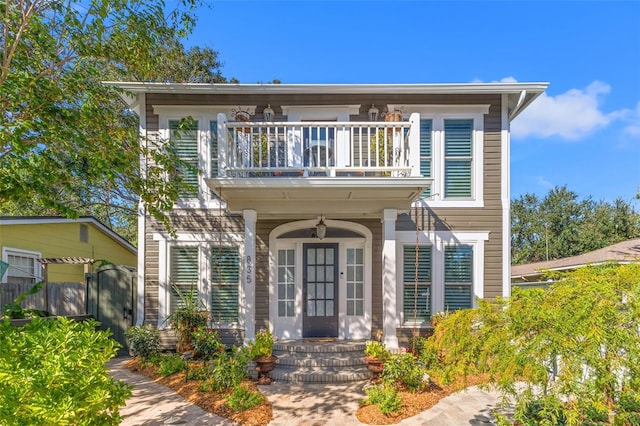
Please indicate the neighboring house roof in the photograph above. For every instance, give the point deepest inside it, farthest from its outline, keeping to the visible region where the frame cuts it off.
(624, 252)
(519, 94)
(43, 220)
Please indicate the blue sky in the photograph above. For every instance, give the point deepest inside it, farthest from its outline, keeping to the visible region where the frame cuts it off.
(584, 132)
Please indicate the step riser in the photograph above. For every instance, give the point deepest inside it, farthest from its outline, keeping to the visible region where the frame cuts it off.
(312, 362)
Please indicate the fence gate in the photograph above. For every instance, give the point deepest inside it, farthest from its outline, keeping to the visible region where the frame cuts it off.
(111, 300)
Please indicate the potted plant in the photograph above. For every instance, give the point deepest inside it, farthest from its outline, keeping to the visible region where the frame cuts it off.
(376, 353)
(261, 351)
(189, 315)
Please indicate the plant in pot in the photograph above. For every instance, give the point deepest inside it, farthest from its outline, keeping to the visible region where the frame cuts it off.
(188, 316)
(261, 351)
(376, 353)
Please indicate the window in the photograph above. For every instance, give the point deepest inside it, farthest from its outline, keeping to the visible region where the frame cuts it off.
(225, 282)
(355, 281)
(458, 155)
(417, 283)
(426, 151)
(84, 233)
(286, 283)
(23, 268)
(184, 140)
(458, 277)
(183, 274)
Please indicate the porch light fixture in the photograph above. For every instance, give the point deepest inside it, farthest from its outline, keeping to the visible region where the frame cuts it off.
(321, 229)
(268, 113)
(373, 113)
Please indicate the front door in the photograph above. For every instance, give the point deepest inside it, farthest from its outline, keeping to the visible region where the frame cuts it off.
(320, 282)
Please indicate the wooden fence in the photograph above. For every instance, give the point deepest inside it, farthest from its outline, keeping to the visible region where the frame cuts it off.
(56, 298)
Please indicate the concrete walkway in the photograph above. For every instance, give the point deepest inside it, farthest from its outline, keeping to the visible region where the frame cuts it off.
(293, 405)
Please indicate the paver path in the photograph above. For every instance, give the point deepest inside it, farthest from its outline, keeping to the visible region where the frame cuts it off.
(293, 405)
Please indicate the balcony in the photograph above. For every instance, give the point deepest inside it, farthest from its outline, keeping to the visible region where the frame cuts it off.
(299, 167)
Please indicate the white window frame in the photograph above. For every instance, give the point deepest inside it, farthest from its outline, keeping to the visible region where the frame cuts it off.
(203, 115)
(205, 243)
(438, 114)
(439, 240)
(35, 255)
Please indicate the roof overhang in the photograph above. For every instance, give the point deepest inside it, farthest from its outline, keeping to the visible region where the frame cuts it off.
(337, 197)
(519, 94)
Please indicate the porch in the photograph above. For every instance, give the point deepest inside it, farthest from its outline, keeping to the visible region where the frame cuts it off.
(298, 167)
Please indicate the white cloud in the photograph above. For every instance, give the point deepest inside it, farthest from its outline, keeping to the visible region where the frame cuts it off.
(570, 115)
(541, 181)
(633, 117)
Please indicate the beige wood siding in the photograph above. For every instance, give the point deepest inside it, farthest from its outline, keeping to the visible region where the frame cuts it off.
(488, 218)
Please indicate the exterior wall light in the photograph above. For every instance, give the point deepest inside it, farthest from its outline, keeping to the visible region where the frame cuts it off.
(373, 113)
(268, 113)
(321, 229)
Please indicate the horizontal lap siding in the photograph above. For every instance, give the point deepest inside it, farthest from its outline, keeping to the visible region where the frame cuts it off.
(193, 221)
(487, 218)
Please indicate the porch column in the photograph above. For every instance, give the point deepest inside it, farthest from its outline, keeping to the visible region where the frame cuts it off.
(248, 295)
(390, 314)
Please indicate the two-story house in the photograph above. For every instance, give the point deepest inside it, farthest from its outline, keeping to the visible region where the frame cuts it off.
(345, 211)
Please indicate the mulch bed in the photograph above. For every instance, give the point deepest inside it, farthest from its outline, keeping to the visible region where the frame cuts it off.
(413, 403)
(212, 402)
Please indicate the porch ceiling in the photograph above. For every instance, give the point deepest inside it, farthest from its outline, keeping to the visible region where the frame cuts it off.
(334, 196)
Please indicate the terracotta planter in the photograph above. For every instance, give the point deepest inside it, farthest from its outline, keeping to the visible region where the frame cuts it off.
(374, 365)
(264, 365)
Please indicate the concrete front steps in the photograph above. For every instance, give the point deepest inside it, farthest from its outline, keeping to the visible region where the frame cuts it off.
(320, 361)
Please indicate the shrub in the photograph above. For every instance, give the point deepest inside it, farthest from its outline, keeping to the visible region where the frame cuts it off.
(242, 398)
(405, 369)
(385, 397)
(206, 343)
(228, 369)
(377, 350)
(190, 315)
(263, 345)
(53, 372)
(171, 364)
(144, 341)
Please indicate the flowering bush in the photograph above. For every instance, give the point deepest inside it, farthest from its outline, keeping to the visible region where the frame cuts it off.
(206, 343)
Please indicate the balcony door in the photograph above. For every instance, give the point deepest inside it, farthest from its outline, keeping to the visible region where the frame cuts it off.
(320, 290)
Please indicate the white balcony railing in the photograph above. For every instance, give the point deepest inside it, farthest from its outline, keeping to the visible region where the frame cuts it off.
(252, 149)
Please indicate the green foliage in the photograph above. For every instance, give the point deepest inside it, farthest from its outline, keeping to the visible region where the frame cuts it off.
(52, 372)
(206, 343)
(144, 341)
(242, 398)
(68, 144)
(228, 369)
(190, 315)
(377, 350)
(171, 364)
(385, 396)
(405, 369)
(577, 341)
(263, 344)
(563, 225)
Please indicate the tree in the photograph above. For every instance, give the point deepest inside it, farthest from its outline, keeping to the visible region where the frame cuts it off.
(68, 145)
(569, 354)
(561, 225)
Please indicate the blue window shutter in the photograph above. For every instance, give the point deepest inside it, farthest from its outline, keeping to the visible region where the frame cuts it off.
(458, 277)
(184, 141)
(225, 280)
(458, 153)
(426, 152)
(423, 300)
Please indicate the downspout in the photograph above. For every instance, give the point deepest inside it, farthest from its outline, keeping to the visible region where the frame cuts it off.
(519, 105)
